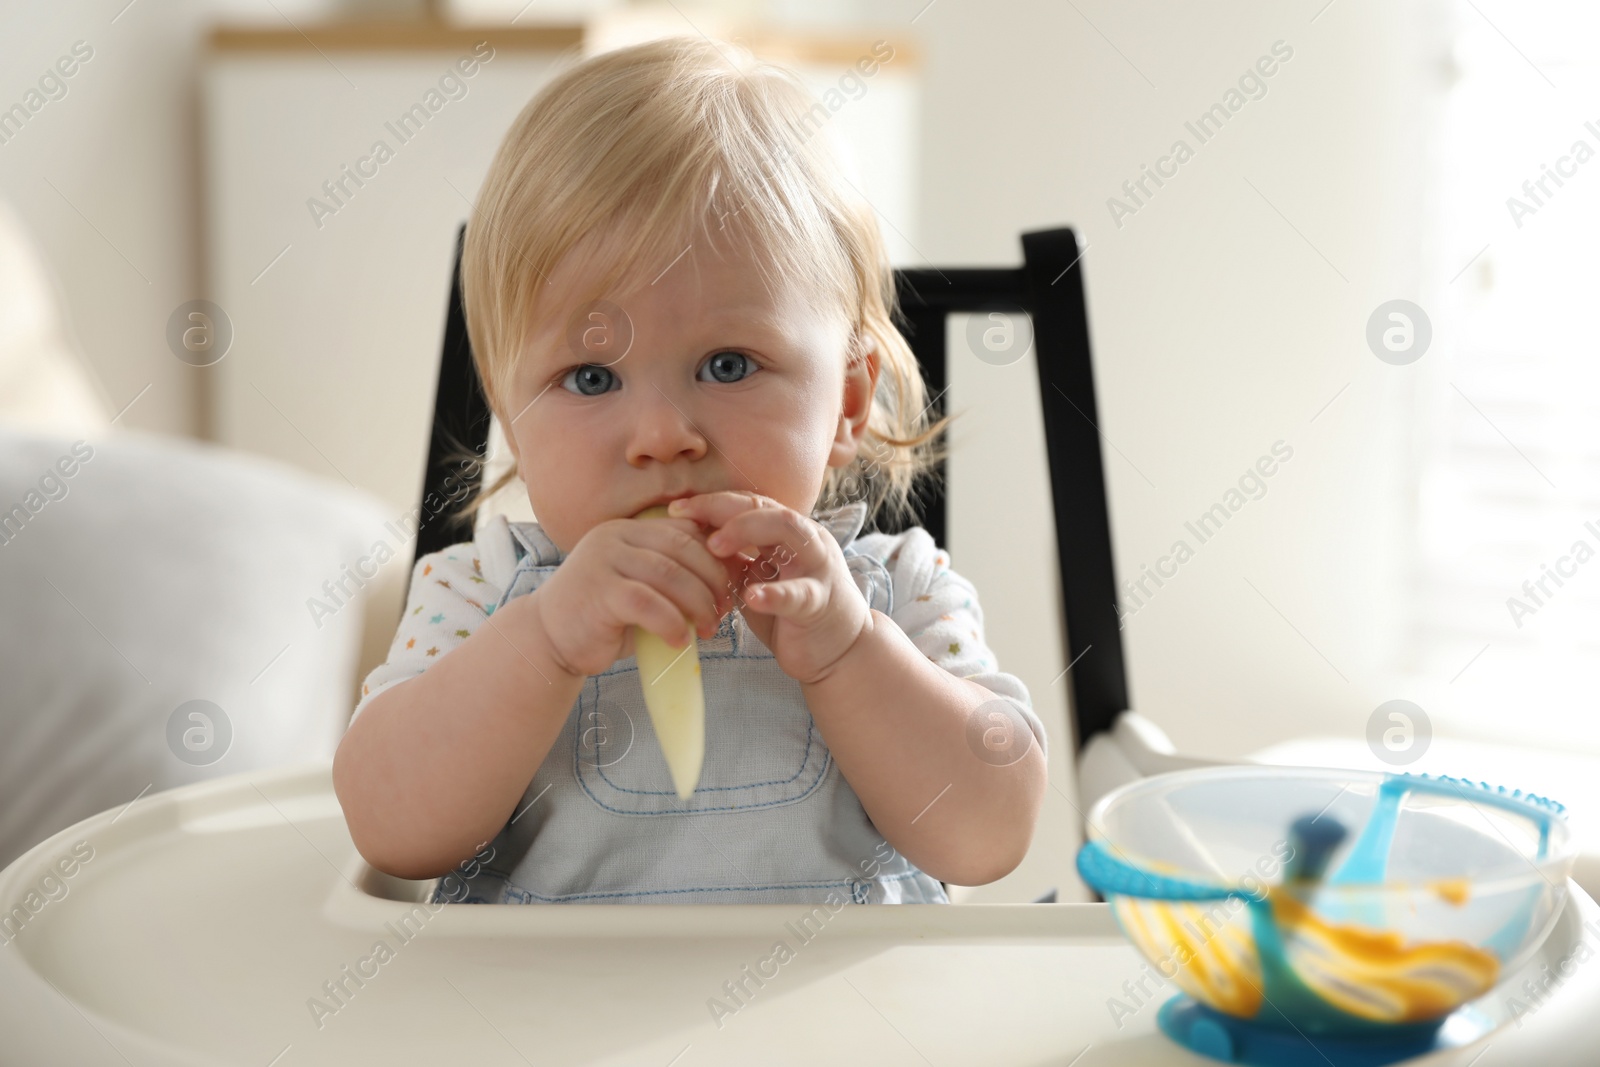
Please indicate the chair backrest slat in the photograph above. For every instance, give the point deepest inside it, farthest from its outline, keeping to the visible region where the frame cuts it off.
(460, 422)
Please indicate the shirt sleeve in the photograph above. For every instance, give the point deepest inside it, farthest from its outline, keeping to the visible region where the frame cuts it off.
(449, 599)
(938, 609)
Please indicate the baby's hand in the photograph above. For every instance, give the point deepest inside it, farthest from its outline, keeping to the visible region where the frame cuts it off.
(797, 594)
(653, 573)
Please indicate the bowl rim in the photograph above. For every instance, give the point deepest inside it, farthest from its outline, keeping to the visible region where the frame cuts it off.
(1561, 847)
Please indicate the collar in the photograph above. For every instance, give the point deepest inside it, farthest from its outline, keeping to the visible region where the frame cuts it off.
(844, 523)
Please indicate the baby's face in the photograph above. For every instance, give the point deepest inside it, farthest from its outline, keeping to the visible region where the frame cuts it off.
(700, 381)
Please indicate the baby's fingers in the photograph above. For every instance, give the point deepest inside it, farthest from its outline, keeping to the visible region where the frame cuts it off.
(689, 590)
(685, 542)
(800, 599)
(784, 535)
(637, 604)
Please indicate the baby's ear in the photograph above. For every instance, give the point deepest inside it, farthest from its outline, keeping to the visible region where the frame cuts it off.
(861, 357)
(855, 408)
(862, 345)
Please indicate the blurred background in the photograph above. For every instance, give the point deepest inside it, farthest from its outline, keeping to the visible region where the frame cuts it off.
(1370, 263)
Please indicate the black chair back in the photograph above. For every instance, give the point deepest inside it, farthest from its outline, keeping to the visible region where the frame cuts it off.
(1049, 288)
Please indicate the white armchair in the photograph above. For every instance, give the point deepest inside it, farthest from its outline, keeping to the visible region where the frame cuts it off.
(163, 571)
(138, 573)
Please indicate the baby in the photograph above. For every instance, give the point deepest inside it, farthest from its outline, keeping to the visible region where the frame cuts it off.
(674, 294)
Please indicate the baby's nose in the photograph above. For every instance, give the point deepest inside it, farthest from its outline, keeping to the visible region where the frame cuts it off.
(663, 431)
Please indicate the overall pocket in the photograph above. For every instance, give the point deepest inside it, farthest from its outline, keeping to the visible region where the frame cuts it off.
(762, 747)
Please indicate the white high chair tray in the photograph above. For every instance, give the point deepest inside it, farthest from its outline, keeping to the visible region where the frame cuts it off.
(199, 925)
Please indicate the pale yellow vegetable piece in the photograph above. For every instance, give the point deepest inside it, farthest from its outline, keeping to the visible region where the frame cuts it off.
(673, 693)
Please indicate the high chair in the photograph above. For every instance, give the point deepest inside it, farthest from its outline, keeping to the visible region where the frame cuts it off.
(233, 921)
(1049, 287)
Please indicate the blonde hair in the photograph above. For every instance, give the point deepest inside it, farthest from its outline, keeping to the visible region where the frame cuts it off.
(655, 147)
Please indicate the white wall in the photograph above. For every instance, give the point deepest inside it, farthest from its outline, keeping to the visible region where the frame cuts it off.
(1218, 328)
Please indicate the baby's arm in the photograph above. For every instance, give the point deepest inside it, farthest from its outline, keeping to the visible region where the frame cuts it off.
(898, 726)
(433, 766)
(943, 749)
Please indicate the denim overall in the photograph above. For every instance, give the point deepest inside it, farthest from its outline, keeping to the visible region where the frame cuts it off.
(771, 821)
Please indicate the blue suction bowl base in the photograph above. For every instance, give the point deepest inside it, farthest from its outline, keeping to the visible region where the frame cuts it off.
(1210, 1033)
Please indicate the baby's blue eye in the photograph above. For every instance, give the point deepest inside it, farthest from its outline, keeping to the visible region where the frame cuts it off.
(726, 366)
(593, 379)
